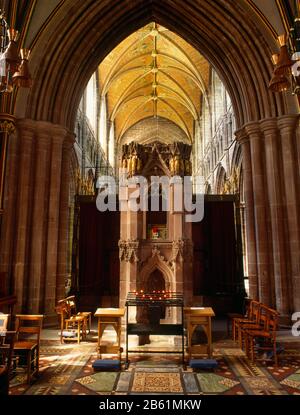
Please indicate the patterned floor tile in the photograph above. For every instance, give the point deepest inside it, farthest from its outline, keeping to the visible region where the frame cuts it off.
(212, 383)
(156, 382)
(99, 382)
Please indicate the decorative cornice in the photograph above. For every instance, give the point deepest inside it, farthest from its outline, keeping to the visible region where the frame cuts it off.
(43, 127)
(178, 250)
(182, 250)
(128, 250)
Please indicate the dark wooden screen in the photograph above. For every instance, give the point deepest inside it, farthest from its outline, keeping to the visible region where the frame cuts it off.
(218, 276)
(99, 266)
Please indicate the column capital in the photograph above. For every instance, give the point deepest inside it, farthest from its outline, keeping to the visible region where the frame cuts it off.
(7, 123)
(241, 136)
(268, 125)
(253, 129)
(26, 127)
(288, 122)
(69, 141)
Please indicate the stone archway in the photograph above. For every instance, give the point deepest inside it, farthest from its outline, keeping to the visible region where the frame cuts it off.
(64, 56)
(70, 60)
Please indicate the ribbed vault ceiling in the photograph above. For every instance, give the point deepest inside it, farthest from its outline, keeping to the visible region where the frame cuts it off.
(154, 72)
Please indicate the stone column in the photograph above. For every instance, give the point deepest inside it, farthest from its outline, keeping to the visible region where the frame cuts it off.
(9, 203)
(7, 127)
(131, 231)
(26, 129)
(260, 213)
(63, 238)
(37, 239)
(287, 126)
(249, 213)
(269, 128)
(58, 135)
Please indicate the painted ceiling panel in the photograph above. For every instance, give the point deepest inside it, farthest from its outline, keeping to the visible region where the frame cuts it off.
(154, 73)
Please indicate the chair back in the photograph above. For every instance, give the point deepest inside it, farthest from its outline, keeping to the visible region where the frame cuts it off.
(246, 307)
(71, 301)
(263, 316)
(272, 322)
(29, 325)
(254, 311)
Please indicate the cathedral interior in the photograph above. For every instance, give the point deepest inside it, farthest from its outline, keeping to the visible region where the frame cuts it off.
(194, 105)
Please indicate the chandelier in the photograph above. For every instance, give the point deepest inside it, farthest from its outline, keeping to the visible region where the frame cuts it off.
(286, 73)
(13, 66)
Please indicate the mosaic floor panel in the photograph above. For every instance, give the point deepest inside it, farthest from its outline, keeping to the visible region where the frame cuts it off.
(67, 370)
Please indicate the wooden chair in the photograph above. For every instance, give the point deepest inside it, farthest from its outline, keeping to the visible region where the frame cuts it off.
(263, 338)
(7, 340)
(76, 324)
(252, 319)
(232, 316)
(73, 326)
(62, 309)
(27, 345)
(86, 314)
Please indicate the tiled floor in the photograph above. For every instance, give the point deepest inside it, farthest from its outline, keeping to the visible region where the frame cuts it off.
(67, 369)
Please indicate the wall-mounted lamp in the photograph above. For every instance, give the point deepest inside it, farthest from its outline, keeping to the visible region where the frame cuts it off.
(286, 63)
(13, 66)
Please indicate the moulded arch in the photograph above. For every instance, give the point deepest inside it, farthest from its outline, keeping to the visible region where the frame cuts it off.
(81, 34)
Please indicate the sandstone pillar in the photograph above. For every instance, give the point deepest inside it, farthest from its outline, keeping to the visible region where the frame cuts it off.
(9, 201)
(63, 238)
(269, 128)
(26, 129)
(287, 126)
(260, 213)
(37, 240)
(249, 215)
(58, 136)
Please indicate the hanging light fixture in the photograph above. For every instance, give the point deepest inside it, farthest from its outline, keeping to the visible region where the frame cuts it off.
(287, 62)
(13, 67)
(279, 81)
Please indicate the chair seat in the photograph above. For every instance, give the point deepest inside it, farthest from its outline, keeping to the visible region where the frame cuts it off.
(244, 320)
(251, 327)
(76, 318)
(259, 333)
(25, 345)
